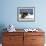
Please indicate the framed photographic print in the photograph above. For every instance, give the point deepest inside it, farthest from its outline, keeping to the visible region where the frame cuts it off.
(26, 14)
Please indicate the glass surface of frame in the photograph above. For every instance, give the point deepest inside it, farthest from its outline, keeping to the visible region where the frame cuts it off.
(26, 14)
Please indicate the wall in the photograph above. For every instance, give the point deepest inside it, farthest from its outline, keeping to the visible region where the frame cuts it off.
(8, 13)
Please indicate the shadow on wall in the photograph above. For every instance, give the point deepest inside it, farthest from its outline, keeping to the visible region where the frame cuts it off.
(2, 26)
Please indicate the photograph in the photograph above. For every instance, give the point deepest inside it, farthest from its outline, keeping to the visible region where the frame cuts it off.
(26, 14)
(22, 23)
